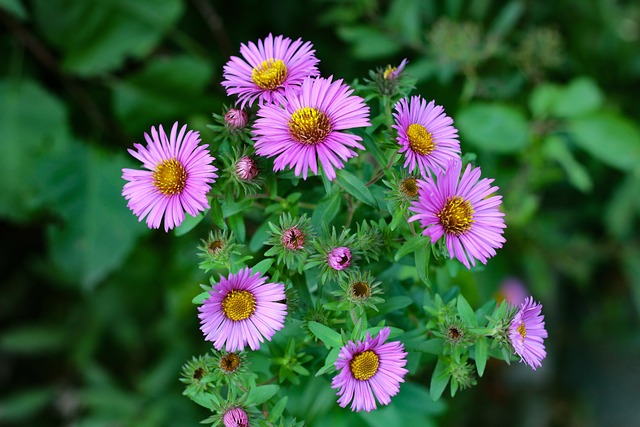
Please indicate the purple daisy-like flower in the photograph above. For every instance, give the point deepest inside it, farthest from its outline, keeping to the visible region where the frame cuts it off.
(527, 332)
(426, 135)
(177, 177)
(392, 73)
(235, 417)
(242, 309)
(309, 127)
(367, 368)
(268, 69)
(460, 209)
(339, 258)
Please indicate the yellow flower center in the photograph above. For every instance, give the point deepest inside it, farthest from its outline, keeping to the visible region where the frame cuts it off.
(420, 140)
(388, 71)
(360, 290)
(409, 187)
(522, 330)
(364, 365)
(229, 363)
(457, 216)
(170, 177)
(270, 74)
(309, 126)
(239, 305)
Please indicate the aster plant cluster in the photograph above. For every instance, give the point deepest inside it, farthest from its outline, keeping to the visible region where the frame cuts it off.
(332, 248)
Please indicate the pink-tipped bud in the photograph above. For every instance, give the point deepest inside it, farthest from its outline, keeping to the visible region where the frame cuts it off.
(293, 239)
(236, 119)
(235, 417)
(339, 258)
(246, 168)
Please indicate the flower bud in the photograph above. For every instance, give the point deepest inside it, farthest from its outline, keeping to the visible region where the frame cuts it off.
(339, 258)
(236, 119)
(293, 239)
(235, 417)
(246, 168)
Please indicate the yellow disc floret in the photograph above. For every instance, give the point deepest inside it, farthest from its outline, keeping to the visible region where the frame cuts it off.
(420, 140)
(239, 305)
(270, 74)
(170, 177)
(364, 365)
(309, 126)
(456, 216)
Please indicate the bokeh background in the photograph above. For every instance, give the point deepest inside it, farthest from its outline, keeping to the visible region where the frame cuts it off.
(96, 316)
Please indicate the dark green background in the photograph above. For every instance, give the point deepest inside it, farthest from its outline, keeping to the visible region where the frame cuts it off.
(95, 310)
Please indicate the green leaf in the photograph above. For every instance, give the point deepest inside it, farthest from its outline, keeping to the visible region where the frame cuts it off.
(395, 303)
(110, 30)
(369, 42)
(433, 346)
(34, 131)
(33, 339)
(466, 312)
(166, 88)
(481, 355)
(236, 224)
(421, 257)
(493, 127)
(20, 407)
(263, 266)
(189, 223)
(204, 399)
(14, 7)
(98, 230)
(439, 379)
(507, 18)
(556, 149)
(278, 409)
(609, 137)
(260, 235)
(415, 242)
(329, 361)
(261, 394)
(543, 99)
(327, 209)
(325, 334)
(580, 97)
(356, 188)
(201, 297)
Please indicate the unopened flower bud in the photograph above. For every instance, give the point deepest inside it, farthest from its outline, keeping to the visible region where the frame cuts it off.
(236, 119)
(392, 73)
(246, 168)
(339, 258)
(235, 417)
(293, 239)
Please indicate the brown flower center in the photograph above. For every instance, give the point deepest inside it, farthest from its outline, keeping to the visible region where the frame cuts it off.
(456, 216)
(198, 374)
(270, 74)
(409, 187)
(170, 177)
(239, 305)
(364, 365)
(215, 247)
(229, 363)
(360, 290)
(309, 126)
(420, 140)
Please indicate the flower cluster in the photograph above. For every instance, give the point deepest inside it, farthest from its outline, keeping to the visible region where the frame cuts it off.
(287, 124)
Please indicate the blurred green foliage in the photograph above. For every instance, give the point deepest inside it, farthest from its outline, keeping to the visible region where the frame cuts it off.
(96, 311)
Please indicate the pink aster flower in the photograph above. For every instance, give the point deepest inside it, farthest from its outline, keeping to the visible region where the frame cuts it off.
(526, 333)
(367, 368)
(425, 135)
(392, 73)
(242, 309)
(339, 258)
(235, 417)
(177, 177)
(265, 71)
(460, 209)
(310, 126)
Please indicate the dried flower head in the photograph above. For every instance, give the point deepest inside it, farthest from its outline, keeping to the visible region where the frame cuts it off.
(216, 251)
(360, 289)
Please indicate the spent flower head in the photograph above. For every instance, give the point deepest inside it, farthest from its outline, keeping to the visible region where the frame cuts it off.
(216, 251)
(176, 178)
(291, 240)
(359, 289)
(198, 374)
